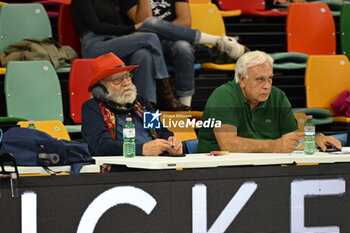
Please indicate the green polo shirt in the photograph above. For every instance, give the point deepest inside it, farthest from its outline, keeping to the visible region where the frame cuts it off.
(270, 119)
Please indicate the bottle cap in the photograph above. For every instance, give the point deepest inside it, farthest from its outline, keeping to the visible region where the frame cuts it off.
(128, 119)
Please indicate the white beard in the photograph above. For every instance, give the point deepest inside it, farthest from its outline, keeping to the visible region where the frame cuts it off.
(122, 99)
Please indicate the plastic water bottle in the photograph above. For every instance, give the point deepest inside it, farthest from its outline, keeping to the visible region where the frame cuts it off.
(31, 125)
(129, 139)
(309, 133)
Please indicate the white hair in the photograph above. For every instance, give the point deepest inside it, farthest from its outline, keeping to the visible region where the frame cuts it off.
(250, 59)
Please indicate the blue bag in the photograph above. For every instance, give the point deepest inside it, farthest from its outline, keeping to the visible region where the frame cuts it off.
(32, 147)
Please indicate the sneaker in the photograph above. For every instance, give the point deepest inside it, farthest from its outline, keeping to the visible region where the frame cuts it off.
(230, 46)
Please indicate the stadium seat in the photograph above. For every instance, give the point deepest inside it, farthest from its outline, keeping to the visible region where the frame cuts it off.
(342, 137)
(310, 29)
(207, 18)
(192, 146)
(2, 3)
(79, 80)
(29, 21)
(334, 6)
(286, 60)
(250, 7)
(6, 119)
(170, 68)
(21, 21)
(54, 128)
(67, 34)
(63, 1)
(183, 133)
(345, 29)
(51, 7)
(301, 118)
(33, 92)
(321, 116)
(199, 1)
(326, 77)
(305, 36)
(226, 13)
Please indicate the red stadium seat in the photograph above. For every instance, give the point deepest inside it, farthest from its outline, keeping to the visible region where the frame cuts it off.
(310, 29)
(51, 7)
(250, 7)
(67, 33)
(79, 79)
(63, 1)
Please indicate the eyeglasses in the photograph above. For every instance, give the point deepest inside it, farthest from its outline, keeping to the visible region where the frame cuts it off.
(119, 80)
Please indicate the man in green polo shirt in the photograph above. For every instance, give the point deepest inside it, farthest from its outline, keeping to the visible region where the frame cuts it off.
(255, 116)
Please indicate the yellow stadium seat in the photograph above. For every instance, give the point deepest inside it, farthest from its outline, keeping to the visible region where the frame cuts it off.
(326, 76)
(2, 3)
(54, 128)
(301, 118)
(199, 1)
(170, 118)
(207, 18)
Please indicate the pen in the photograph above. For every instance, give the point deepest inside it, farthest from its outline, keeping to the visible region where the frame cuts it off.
(301, 142)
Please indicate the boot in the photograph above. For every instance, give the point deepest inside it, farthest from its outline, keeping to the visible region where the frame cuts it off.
(167, 101)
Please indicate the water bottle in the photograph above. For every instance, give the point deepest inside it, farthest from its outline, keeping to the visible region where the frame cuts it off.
(309, 133)
(31, 125)
(129, 139)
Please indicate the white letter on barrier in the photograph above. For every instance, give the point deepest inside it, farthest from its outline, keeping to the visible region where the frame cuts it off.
(110, 198)
(310, 188)
(28, 210)
(226, 217)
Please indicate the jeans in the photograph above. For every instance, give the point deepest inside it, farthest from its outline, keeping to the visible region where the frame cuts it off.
(144, 81)
(176, 41)
(139, 48)
(180, 54)
(170, 31)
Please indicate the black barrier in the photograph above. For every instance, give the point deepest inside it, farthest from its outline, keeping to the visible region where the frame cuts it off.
(233, 199)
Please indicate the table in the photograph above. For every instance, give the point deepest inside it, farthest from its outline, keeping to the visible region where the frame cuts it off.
(25, 170)
(233, 159)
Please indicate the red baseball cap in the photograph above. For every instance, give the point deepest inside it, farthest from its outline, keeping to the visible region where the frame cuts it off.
(106, 65)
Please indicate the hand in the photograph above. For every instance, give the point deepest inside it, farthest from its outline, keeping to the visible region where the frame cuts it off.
(137, 25)
(324, 141)
(155, 147)
(288, 142)
(300, 1)
(176, 145)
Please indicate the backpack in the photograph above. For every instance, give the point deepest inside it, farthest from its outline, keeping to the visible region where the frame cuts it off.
(31, 147)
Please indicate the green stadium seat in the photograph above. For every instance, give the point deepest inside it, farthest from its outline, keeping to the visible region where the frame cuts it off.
(33, 92)
(345, 29)
(22, 21)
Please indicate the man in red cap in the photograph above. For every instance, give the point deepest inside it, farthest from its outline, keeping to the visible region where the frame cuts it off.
(115, 98)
